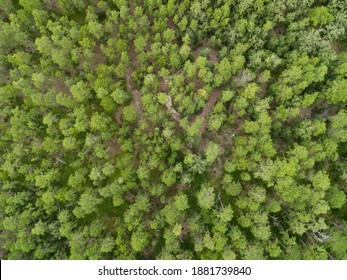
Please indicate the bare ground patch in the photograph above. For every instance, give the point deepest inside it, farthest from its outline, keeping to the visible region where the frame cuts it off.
(118, 115)
(137, 102)
(136, 95)
(198, 84)
(174, 190)
(278, 31)
(112, 147)
(98, 59)
(170, 23)
(131, 7)
(213, 56)
(60, 86)
(237, 126)
(305, 113)
(337, 46)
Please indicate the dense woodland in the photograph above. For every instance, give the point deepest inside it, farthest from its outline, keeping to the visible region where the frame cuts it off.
(173, 129)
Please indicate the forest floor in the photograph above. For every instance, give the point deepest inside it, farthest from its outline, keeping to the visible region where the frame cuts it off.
(136, 95)
(60, 86)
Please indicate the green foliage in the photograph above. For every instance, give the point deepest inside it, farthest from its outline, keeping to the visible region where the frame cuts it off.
(139, 239)
(206, 197)
(119, 96)
(89, 202)
(99, 122)
(336, 198)
(168, 177)
(80, 92)
(321, 15)
(129, 113)
(181, 202)
(226, 214)
(173, 129)
(108, 104)
(212, 152)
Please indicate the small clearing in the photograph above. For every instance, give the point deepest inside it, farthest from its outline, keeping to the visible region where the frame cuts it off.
(137, 102)
(170, 23)
(131, 7)
(60, 86)
(112, 147)
(118, 115)
(338, 47)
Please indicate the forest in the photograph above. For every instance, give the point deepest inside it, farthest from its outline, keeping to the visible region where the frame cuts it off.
(175, 130)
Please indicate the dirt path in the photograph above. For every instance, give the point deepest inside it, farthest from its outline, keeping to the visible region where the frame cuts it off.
(137, 102)
(136, 95)
(170, 23)
(113, 147)
(131, 7)
(174, 114)
(215, 95)
(118, 115)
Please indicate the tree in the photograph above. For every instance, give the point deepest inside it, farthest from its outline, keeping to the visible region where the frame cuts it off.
(139, 239)
(173, 129)
(44, 180)
(80, 92)
(107, 244)
(212, 152)
(108, 104)
(168, 177)
(119, 96)
(338, 127)
(89, 202)
(99, 122)
(6, 6)
(181, 202)
(224, 69)
(129, 113)
(336, 198)
(337, 92)
(95, 28)
(254, 252)
(320, 15)
(70, 143)
(226, 214)
(177, 229)
(39, 228)
(206, 197)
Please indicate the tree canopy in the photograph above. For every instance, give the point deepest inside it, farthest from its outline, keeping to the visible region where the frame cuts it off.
(173, 129)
